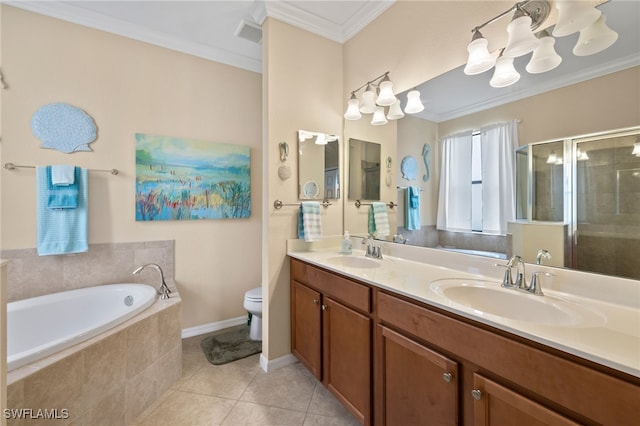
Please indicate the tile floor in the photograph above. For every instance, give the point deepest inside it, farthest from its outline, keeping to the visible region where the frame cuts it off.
(241, 393)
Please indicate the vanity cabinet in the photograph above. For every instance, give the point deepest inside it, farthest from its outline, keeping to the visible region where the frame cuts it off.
(417, 364)
(415, 385)
(331, 334)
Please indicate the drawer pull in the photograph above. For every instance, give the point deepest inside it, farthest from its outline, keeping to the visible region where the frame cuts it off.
(476, 394)
(447, 377)
(324, 307)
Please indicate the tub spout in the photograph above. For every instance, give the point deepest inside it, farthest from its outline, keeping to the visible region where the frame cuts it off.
(163, 291)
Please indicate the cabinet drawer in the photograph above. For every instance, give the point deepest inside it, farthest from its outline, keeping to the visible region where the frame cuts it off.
(595, 395)
(350, 293)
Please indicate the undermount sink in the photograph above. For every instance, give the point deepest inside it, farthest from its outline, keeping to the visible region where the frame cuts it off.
(354, 262)
(487, 297)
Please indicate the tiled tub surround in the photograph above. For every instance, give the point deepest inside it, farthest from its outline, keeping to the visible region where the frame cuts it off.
(30, 275)
(408, 270)
(109, 379)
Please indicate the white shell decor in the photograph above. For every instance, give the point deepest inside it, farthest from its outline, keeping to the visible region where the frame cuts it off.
(284, 172)
(63, 127)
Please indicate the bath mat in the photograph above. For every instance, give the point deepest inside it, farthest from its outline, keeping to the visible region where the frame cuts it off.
(230, 346)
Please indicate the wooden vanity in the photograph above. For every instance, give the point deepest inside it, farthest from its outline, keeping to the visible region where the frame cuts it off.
(397, 361)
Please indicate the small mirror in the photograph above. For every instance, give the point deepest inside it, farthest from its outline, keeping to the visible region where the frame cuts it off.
(364, 170)
(318, 166)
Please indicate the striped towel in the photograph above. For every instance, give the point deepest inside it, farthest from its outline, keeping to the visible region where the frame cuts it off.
(378, 220)
(309, 223)
(61, 230)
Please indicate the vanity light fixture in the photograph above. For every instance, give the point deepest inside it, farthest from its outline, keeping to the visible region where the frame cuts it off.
(581, 155)
(552, 158)
(636, 148)
(377, 96)
(573, 16)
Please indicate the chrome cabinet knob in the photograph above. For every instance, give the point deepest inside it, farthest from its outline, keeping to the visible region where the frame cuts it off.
(476, 394)
(324, 307)
(447, 377)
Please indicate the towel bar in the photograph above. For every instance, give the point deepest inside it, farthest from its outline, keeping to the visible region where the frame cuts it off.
(358, 203)
(277, 204)
(11, 166)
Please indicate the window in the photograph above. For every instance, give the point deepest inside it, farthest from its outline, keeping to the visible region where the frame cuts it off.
(476, 182)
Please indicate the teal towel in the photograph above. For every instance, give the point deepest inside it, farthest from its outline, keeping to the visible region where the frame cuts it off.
(61, 231)
(309, 223)
(62, 196)
(378, 220)
(412, 208)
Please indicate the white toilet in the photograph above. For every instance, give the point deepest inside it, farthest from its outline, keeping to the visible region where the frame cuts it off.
(253, 305)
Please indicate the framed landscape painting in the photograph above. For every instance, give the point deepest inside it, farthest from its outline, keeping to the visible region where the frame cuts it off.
(184, 179)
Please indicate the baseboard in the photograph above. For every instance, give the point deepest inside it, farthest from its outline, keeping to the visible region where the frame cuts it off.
(274, 364)
(213, 326)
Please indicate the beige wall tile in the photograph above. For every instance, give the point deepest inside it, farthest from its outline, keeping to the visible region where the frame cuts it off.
(140, 392)
(104, 369)
(169, 329)
(108, 412)
(142, 345)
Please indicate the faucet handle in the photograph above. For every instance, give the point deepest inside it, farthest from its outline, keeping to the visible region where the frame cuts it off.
(507, 280)
(536, 282)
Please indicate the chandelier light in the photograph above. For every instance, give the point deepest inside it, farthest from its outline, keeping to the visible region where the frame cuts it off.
(378, 99)
(528, 16)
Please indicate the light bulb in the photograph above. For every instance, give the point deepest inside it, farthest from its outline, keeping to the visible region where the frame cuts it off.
(544, 58)
(595, 38)
(378, 117)
(395, 112)
(414, 104)
(573, 16)
(521, 39)
(353, 109)
(479, 60)
(505, 74)
(386, 96)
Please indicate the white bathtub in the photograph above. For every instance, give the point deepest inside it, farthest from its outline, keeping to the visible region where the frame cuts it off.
(43, 325)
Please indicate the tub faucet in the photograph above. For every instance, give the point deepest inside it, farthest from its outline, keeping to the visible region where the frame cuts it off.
(163, 291)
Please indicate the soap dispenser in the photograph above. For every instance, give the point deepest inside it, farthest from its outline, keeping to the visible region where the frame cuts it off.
(346, 246)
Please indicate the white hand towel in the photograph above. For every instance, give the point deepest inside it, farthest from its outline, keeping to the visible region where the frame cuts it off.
(62, 175)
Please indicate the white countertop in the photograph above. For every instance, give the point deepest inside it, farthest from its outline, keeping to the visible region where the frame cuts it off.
(613, 340)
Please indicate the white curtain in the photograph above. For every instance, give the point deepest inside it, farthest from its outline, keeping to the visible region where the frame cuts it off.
(454, 200)
(499, 143)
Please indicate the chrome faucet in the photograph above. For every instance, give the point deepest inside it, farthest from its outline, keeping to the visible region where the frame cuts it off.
(373, 250)
(520, 283)
(542, 255)
(163, 291)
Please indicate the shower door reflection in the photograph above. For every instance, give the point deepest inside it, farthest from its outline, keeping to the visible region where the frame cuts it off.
(607, 200)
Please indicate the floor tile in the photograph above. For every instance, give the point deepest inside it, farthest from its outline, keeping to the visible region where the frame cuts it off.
(317, 420)
(183, 408)
(290, 387)
(226, 381)
(325, 404)
(247, 413)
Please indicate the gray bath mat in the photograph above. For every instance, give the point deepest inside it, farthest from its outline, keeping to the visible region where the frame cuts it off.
(230, 346)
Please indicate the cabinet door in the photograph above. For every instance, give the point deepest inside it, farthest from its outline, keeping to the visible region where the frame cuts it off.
(306, 337)
(347, 357)
(419, 386)
(497, 405)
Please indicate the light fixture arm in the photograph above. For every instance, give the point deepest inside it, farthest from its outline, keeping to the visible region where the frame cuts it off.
(538, 13)
(380, 77)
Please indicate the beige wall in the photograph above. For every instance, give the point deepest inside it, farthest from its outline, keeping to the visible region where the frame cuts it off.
(604, 103)
(295, 97)
(128, 87)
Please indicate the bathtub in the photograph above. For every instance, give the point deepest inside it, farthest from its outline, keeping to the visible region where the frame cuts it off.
(40, 326)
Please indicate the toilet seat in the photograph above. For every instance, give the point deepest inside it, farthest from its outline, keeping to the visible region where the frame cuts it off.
(254, 295)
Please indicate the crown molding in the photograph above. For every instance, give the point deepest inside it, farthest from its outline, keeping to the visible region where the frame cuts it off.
(288, 12)
(77, 15)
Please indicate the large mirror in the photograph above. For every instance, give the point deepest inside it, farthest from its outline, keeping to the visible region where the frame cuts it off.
(583, 96)
(364, 170)
(318, 166)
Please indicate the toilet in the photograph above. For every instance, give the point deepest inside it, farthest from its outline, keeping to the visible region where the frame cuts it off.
(253, 305)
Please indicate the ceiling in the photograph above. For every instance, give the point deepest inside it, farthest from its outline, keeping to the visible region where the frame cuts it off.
(207, 28)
